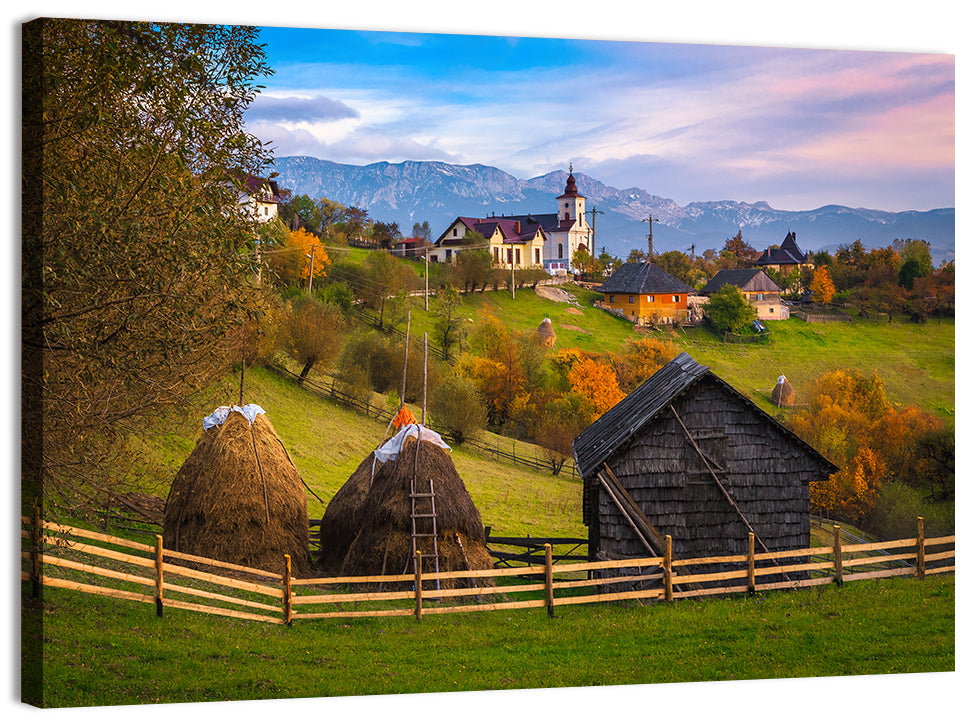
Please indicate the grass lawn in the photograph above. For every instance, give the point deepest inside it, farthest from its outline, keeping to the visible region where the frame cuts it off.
(102, 651)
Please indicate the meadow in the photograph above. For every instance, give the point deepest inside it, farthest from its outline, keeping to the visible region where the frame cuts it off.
(100, 651)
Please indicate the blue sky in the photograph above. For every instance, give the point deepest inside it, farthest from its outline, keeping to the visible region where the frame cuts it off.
(797, 128)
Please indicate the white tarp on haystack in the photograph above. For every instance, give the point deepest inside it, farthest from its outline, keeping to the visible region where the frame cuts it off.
(393, 446)
(220, 415)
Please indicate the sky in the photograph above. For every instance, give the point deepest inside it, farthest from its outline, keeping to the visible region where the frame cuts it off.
(798, 128)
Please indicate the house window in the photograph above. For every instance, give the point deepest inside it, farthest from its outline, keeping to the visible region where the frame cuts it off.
(650, 298)
(612, 299)
(537, 256)
(455, 232)
(495, 254)
(759, 296)
(676, 299)
(518, 256)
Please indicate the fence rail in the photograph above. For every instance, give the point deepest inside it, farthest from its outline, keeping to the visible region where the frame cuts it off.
(63, 556)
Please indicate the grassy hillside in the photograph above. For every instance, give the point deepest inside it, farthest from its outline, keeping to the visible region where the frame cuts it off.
(915, 362)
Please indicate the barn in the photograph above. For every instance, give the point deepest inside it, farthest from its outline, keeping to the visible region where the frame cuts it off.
(687, 455)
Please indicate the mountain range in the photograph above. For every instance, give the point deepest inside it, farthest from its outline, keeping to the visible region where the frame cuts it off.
(413, 192)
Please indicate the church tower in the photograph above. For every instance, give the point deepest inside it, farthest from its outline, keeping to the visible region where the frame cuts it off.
(572, 231)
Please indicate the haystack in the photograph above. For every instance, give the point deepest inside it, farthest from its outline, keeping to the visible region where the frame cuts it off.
(238, 497)
(367, 527)
(782, 394)
(547, 336)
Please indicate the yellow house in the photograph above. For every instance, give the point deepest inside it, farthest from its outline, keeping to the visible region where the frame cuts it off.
(511, 242)
(645, 293)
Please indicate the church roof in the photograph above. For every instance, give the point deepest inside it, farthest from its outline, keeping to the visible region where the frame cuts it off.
(571, 190)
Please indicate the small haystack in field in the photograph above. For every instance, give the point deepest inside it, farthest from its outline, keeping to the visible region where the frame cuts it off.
(782, 394)
(367, 526)
(547, 336)
(238, 497)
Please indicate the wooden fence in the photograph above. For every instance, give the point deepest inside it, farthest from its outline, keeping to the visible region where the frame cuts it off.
(57, 555)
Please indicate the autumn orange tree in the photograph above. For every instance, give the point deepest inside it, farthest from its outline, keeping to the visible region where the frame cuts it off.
(821, 285)
(851, 422)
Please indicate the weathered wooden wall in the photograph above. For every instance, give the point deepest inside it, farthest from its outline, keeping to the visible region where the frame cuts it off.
(766, 472)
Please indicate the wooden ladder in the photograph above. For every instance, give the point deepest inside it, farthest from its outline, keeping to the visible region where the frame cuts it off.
(423, 510)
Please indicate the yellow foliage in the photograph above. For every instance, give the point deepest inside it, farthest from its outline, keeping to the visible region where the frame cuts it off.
(597, 382)
(306, 244)
(822, 286)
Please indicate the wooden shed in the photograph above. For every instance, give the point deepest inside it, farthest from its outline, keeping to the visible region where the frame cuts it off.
(687, 455)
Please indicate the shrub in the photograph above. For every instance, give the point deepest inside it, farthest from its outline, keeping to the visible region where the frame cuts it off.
(456, 408)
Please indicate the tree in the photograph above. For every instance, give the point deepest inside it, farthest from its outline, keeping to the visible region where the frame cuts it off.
(141, 270)
(729, 310)
(422, 231)
(821, 286)
(745, 255)
(308, 256)
(448, 325)
(386, 286)
(455, 406)
(315, 334)
(385, 234)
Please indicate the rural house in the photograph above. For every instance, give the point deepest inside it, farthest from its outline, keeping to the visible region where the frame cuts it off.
(757, 287)
(511, 242)
(686, 455)
(546, 239)
(787, 257)
(260, 197)
(645, 293)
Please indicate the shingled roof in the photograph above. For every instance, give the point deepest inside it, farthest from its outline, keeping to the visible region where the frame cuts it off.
(642, 278)
(788, 253)
(617, 426)
(751, 280)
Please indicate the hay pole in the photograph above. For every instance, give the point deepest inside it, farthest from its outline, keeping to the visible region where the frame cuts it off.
(408, 326)
(424, 374)
(264, 482)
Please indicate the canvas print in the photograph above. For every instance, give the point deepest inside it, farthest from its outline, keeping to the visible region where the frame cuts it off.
(383, 363)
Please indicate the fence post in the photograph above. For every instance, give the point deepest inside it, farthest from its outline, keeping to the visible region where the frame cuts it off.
(550, 601)
(751, 564)
(159, 575)
(920, 547)
(286, 590)
(35, 536)
(837, 557)
(668, 570)
(418, 585)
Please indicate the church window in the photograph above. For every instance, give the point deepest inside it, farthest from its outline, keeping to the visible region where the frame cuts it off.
(560, 250)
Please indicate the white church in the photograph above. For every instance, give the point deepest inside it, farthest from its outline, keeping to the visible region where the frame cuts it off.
(546, 239)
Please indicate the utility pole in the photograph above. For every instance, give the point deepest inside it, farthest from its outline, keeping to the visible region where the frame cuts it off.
(593, 213)
(651, 220)
(311, 267)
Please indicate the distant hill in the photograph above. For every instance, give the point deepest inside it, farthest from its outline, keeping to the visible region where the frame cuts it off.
(412, 192)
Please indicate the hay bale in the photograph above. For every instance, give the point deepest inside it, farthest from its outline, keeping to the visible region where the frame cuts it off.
(547, 336)
(782, 394)
(221, 507)
(372, 517)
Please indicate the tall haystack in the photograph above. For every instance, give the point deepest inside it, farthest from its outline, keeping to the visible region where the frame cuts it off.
(238, 497)
(367, 527)
(547, 336)
(782, 394)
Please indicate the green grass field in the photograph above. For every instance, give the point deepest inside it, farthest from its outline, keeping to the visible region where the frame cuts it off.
(101, 651)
